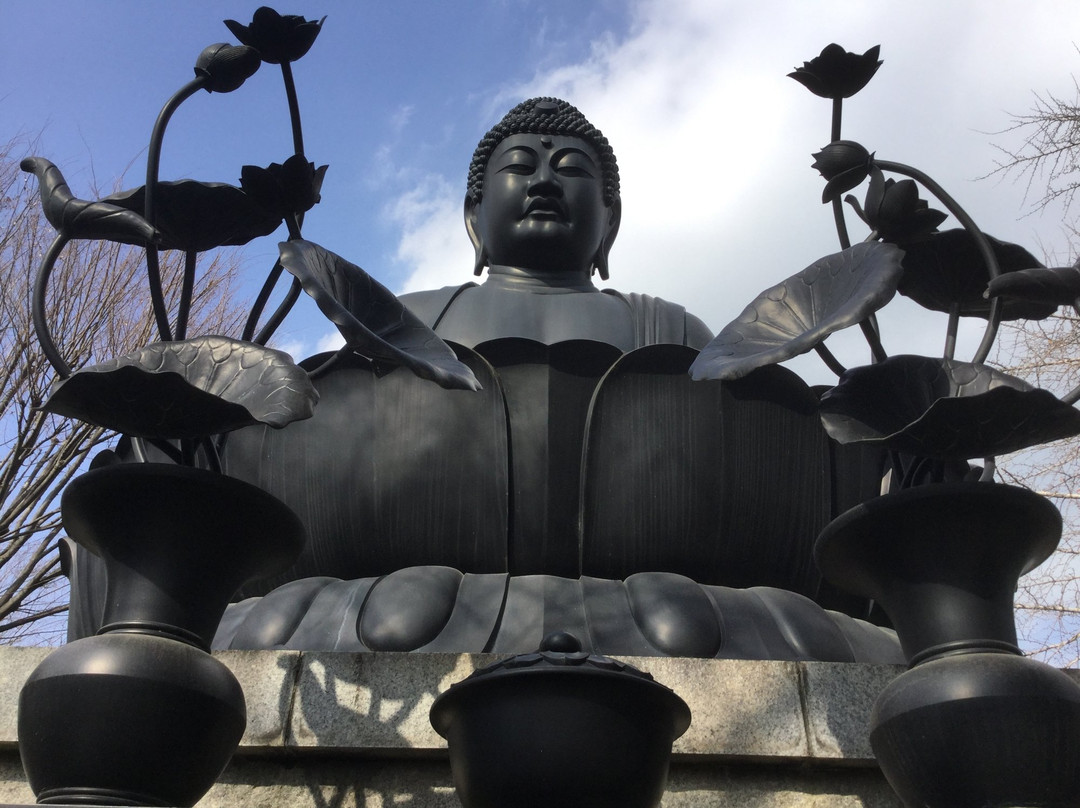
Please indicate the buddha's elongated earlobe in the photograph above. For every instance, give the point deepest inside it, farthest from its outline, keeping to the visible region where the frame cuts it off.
(600, 260)
(600, 264)
(481, 259)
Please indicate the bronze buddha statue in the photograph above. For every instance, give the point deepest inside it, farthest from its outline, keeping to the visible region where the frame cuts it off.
(542, 210)
(589, 487)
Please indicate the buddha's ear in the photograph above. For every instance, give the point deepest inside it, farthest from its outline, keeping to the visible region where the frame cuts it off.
(472, 212)
(600, 262)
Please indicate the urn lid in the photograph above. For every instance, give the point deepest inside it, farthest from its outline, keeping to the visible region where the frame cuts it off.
(560, 649)
(560, 655)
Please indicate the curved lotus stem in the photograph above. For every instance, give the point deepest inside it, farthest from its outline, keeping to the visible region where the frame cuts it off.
(292, 222)
(992, 268)
(260, 302)
(41, 325)
(868, 326)
(322, 369)
(186, 292)
(153, 163)
(294, 107)
(829, 358)
(280, 313)
(297, 132)
(951, 330)
(837, 203)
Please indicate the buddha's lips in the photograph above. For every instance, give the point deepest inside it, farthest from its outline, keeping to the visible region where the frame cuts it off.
(545, 205)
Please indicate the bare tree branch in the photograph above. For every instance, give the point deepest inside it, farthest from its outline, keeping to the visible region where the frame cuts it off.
(1048, 155)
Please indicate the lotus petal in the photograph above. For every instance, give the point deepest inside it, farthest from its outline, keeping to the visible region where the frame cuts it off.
(837, 73)
(896, 211)
(187, 389)
(792, 318)
(279, 38)
(1059, 286)
(372, 320)
(199, 216)
(946, 268)
(943, 408)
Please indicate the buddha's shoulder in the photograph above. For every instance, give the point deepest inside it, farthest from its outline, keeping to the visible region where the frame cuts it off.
(430, 303)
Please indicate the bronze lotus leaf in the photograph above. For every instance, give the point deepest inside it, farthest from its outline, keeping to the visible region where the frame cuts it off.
(946, 268)
(1058, 286)
(187, 389)
(226, 67)
(837, 73)
(81, 218)
(895, 211)
(278, 38)
(793, 317)
(199, 216)
(943, 408)
(284, 188)
(372, 320)
(844, 164)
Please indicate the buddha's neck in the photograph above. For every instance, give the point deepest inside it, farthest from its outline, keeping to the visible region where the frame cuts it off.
(515, 278)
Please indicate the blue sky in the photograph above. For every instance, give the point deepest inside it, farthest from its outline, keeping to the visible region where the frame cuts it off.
(713, 140)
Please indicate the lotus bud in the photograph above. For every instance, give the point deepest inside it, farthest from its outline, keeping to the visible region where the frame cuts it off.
(227, 66)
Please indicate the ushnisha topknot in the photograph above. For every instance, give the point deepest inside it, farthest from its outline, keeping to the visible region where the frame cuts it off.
(544, 116)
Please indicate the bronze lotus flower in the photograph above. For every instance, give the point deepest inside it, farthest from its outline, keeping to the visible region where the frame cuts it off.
(895, 210)
(284, 188)
(837, 73)
(226, 66)
(844, 164)
(278, 38)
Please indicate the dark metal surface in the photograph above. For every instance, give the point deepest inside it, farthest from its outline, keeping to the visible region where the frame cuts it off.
(560, 726)
(943, 560)
(128, 719)
(648, 614)
(980, 730)
(142, 714)
(390, 472)
(687, 476)
(972, 723)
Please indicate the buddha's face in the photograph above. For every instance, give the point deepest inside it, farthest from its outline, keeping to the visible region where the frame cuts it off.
(543, 204)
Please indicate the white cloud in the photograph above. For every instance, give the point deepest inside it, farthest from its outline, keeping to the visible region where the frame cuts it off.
(330, 341)
(433, 242)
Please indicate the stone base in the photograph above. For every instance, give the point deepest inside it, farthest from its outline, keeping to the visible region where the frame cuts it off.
(351, 730)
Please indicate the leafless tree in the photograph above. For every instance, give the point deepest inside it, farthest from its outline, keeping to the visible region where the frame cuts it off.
(98, 308)
(1047, 156)
(1047, 353)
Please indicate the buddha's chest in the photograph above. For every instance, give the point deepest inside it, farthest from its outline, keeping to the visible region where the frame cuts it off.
(480, 315)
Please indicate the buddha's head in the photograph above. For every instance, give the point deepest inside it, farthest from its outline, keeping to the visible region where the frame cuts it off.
(543, 192)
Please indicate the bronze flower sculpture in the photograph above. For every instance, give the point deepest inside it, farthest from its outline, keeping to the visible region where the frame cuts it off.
(937, 411)
(188, 388)
(942, 550)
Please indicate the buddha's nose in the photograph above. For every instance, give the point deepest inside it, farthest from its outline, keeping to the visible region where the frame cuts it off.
(545, 182)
